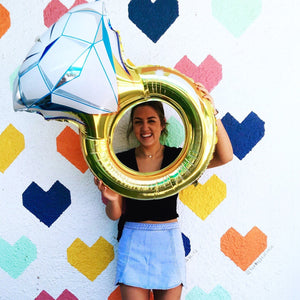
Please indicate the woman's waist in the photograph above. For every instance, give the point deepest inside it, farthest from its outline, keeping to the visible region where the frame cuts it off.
(152, 225)
(158, 222)
(161, 216)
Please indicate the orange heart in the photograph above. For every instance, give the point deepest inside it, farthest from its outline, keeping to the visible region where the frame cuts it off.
(116, 295)
(5, 20)
(243, 251)
(68, 145)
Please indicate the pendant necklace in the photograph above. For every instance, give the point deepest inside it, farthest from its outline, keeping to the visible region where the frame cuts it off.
(151, 155)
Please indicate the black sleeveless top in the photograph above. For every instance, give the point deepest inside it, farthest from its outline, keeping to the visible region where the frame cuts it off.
(155, 210)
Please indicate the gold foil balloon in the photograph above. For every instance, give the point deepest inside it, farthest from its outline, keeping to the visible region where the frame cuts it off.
(75, 73)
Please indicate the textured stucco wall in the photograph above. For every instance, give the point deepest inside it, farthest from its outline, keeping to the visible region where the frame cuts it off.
(240, 224)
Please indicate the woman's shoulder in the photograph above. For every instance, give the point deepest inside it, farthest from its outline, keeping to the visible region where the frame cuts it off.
(170, 154)
(172, 150)
(126, 154)
(127, 158)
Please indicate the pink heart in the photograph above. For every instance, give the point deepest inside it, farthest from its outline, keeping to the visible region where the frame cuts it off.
(55, 9)
(209, 72)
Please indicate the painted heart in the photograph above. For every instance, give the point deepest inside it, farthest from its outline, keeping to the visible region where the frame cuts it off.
(47, 206)
(5, 20)
(176, 134)
(153, 19)
(243, 250)
(65, 295)
(203, 199)
(186, 244)
(236, 16)
(68, 145)
(15, 259)
(217, 293)
(12, 78)
(244, 136)
(90, 261)
(55, 9)
(12, 143)
(116, 295)
(209, 72)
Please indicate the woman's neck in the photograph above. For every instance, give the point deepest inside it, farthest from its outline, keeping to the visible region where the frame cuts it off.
(149, 152)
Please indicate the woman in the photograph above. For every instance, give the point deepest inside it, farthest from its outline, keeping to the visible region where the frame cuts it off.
(151, 253)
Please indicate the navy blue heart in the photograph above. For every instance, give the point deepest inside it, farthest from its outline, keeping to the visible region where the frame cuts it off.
(153, 18)
(47, 206)
(186, 244)
(244, 136)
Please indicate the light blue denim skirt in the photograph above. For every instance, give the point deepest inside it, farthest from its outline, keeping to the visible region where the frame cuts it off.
(151, 256)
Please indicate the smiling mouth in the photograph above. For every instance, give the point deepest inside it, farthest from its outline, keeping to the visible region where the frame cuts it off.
(146, 135)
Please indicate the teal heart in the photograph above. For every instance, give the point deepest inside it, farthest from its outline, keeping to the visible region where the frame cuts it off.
(176, 133)
(15, 259)
(236, 15)
(218, 293)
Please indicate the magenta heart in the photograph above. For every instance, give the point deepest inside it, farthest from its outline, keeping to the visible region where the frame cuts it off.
(65, 295)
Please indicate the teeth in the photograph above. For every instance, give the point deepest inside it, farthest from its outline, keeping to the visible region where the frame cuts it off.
(146, 135)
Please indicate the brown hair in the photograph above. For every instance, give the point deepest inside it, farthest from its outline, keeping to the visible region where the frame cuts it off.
(158, 107)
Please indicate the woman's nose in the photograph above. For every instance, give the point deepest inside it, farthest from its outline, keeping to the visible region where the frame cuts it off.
(144, 125)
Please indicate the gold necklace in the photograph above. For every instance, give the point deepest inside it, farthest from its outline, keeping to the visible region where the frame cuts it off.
(151, 155)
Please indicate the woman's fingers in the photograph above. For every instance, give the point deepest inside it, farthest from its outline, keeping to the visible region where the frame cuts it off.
(107, 193)
(99, 184)
(202, 88)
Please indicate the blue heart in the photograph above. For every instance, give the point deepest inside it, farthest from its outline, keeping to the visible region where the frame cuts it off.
(186, 244)
(15, 259)
(218, 293)
(47, 206)
(244, 136)
(153, 18)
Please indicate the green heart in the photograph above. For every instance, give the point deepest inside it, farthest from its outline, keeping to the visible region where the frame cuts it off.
(15, 259)
(236, 15)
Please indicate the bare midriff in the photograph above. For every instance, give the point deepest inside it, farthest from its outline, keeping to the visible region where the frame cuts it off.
(159, 222)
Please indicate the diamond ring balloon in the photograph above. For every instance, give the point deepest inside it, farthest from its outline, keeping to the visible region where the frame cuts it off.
(75, 72)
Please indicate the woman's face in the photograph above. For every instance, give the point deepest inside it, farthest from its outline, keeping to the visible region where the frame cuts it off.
(146, 125)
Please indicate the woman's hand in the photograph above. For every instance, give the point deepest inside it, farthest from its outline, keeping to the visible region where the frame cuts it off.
(207, 96)
(114, 204)
(109, 194)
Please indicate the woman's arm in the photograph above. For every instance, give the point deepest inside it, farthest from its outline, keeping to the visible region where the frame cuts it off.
(115, 201)
(223, 151)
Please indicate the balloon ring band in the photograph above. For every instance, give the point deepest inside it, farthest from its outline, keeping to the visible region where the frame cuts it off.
(196, 112)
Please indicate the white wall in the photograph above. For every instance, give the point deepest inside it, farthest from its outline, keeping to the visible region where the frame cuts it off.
(260, 74)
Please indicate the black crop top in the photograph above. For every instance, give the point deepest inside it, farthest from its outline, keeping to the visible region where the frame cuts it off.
(155, 210)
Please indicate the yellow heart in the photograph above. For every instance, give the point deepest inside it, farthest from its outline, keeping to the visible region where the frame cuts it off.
(203, 199)
(90, 261)
(12, 143)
